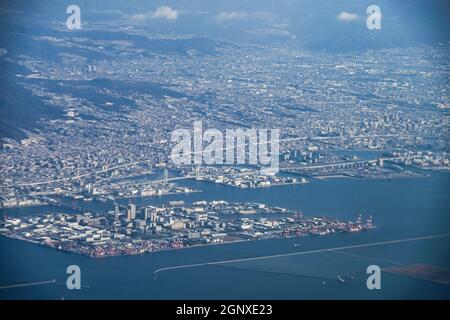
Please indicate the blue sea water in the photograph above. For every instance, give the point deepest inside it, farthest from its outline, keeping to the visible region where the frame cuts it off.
(401, 208)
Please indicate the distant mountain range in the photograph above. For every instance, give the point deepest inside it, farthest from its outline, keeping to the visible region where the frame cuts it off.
(19, 108)
(201, 27)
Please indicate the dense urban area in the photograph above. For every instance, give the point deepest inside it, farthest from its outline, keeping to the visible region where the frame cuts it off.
(369, 115)
(177, 225)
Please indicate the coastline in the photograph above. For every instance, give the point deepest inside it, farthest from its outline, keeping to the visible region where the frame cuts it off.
(20, 238)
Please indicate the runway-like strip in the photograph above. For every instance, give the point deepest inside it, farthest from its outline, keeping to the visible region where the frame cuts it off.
(371, 244)
(28, 284)
(368, 258)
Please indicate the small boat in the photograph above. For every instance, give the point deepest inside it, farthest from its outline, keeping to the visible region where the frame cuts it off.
(340, 278)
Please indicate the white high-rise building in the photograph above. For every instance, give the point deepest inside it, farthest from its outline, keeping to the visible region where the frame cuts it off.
(131, 212)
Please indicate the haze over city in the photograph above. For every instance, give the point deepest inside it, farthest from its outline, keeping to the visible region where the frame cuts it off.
(168, 136)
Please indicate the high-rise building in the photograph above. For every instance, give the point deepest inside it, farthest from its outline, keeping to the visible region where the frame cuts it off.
(145, 213)
(116, 212)
(153, 216)
(131, 212)
(197, 173)
(166, 176)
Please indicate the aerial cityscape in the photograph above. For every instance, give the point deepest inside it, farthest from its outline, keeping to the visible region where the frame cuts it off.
(312, 153)
(175, 226)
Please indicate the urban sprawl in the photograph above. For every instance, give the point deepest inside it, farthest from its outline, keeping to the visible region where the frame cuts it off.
(129, 231)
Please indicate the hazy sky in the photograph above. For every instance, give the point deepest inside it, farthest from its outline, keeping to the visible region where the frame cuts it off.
(332, 25)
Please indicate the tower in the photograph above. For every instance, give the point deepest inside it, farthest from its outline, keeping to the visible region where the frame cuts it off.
(116, 212)
(197, 173)
(131, 212)
(166, 176)
(146, 213)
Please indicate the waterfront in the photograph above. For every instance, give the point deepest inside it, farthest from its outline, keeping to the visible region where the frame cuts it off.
(401, 208)
(175, 225)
